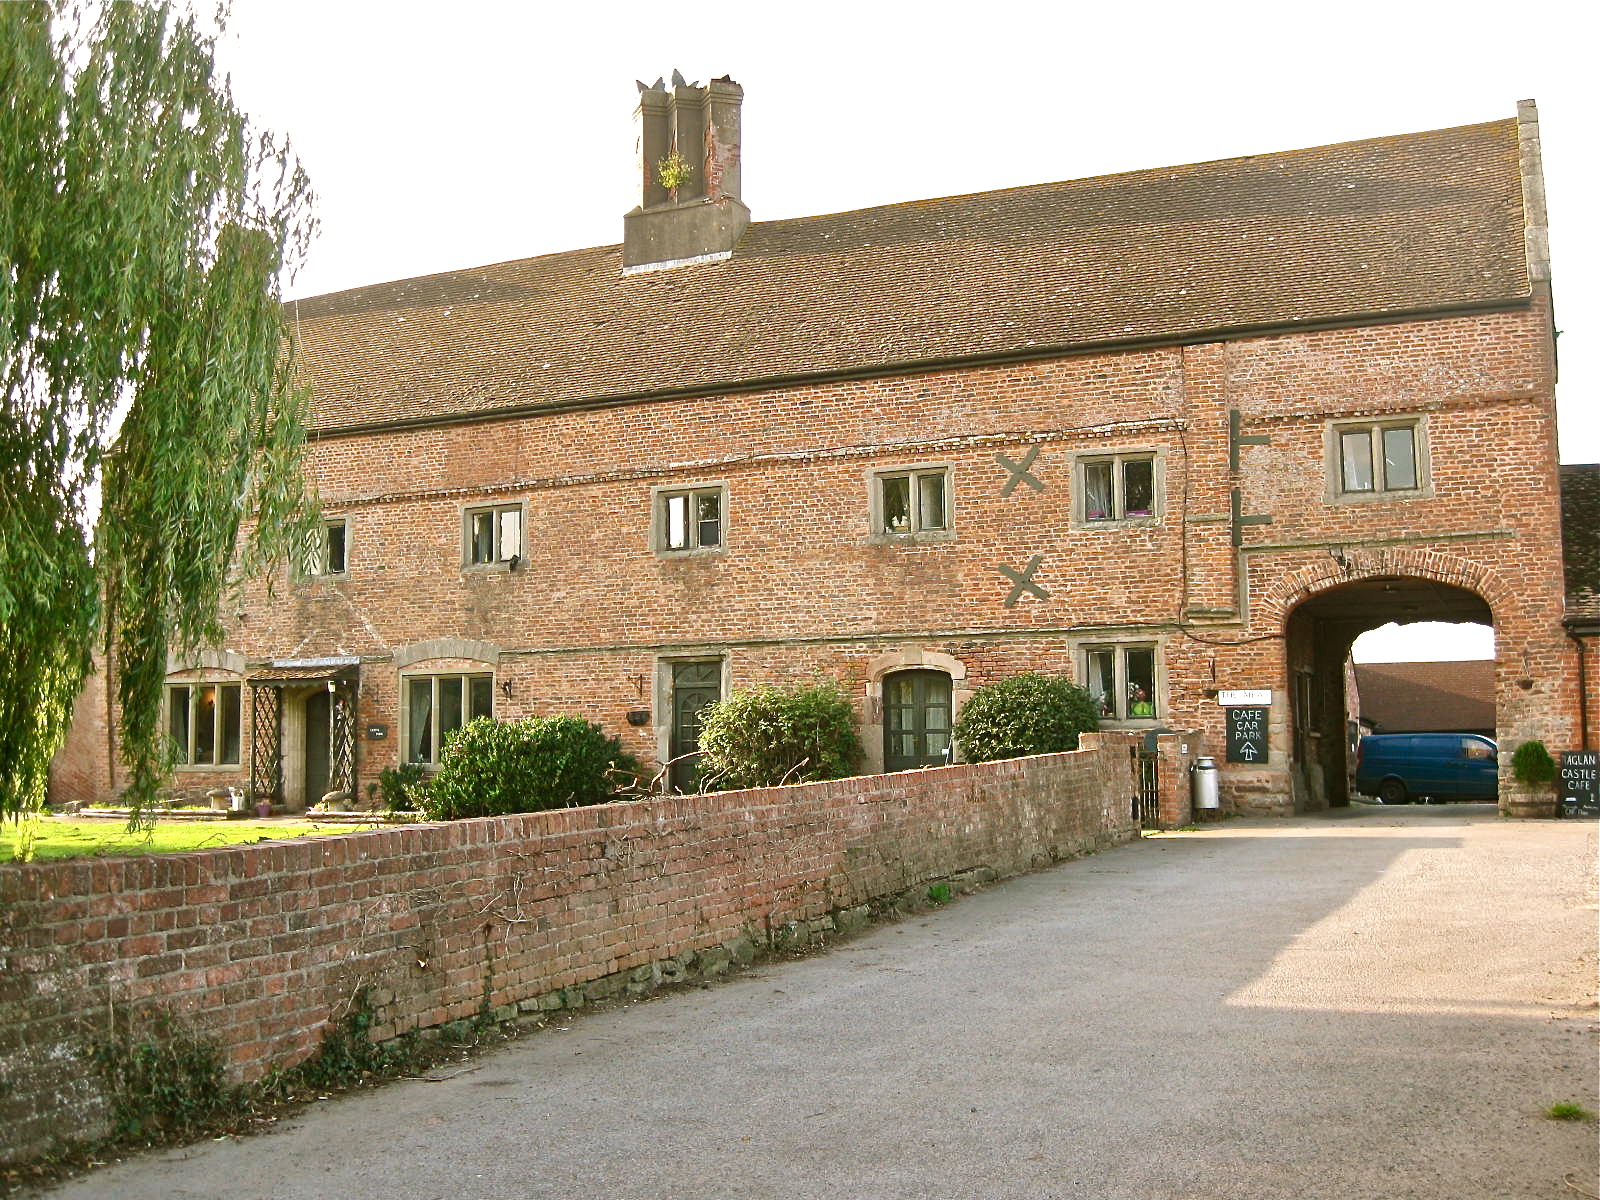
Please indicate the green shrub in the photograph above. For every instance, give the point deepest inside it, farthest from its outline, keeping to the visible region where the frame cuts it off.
(1532, 764)
(769, 735)
(402, 787)
(491, 767)
(1026, 714)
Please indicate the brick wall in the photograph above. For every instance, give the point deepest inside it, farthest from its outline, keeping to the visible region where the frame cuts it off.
(258, 946)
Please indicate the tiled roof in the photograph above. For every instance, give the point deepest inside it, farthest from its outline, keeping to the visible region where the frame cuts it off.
(1427, 696)
(1413, 223)
(1580, 538)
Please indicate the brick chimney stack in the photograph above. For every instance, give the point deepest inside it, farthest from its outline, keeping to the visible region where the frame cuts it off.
(690, 210)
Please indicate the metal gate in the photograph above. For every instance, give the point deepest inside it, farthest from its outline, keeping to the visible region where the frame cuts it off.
(1147, 800)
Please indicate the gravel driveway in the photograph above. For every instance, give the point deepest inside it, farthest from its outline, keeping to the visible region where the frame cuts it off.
(1376, 1002)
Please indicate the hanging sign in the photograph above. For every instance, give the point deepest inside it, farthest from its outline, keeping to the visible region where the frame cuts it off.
(1247, 734)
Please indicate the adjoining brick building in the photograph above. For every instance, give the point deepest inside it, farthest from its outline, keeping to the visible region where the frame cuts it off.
(1171, 433)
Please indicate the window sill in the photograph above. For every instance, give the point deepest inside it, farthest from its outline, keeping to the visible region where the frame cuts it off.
(1098, 526)
(205, 768)
(698, 552)
(910, 539)
(1379, 497)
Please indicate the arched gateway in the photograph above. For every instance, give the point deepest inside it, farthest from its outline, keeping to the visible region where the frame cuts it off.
(1324, 607)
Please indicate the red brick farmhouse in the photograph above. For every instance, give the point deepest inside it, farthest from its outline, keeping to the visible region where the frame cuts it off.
(1172, 433)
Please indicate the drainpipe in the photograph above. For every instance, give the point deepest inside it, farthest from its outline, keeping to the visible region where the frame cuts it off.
(1577, 633)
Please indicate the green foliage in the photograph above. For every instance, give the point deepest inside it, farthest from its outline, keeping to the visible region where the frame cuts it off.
(147, 404)
(491, 767)
(347, 1055)
(1031, 713)
(768, 735)
(673, 171)
(939, 893)
(402, 787)
(1565, 1110)
(1532, 765)
(162, 1079)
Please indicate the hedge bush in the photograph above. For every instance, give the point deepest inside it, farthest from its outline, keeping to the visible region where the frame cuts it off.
(769, 735)
(1030, 713)
(492, 767)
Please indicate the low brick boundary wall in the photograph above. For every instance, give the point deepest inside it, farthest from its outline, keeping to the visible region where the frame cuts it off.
(257, 947)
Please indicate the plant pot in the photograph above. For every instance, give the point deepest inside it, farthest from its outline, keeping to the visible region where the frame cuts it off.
(264, 808)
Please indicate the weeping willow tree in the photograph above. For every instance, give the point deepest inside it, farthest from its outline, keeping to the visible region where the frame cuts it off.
(147, 406)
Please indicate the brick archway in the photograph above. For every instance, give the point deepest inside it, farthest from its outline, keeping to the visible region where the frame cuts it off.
(1350, 566)
(1322, 608)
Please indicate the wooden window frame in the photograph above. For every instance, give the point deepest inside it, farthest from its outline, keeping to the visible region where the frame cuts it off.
(187, 745)
(916, 530)
(435, 735)
(660, 533)
(1375, 429)
(1118, 460)
(499, 559)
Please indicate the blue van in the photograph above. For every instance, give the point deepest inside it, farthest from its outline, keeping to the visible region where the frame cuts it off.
(1398, 768)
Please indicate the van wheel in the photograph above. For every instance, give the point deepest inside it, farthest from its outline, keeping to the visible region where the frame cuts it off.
(1392, 791)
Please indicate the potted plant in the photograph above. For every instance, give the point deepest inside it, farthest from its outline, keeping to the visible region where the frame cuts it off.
(1533, 768)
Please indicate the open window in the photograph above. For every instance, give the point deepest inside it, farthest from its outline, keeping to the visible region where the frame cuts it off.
(326, 552)
(492, 535)
(1123, 681)
(689, 519)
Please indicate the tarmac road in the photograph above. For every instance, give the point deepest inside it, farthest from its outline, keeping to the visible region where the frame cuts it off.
(1373, 1003)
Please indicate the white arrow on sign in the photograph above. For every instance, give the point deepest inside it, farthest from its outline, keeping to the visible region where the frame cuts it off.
(1247, 752)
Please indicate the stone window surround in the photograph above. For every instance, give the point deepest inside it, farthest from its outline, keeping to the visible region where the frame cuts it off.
(1080, 648)
(1117, 454)
(875, 506)
(200, 676)
(658, 517)
(312, 572)
(439, 656)
(1333, 457)
(469, 511)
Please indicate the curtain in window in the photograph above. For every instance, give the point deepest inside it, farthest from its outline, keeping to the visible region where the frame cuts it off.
(419, 720)
(896, 503)
(1097, 498)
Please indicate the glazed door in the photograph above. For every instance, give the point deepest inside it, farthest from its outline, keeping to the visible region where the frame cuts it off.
(916, 720)
(694, 685)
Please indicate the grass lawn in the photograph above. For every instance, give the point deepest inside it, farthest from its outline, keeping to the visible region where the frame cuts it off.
(73, 837)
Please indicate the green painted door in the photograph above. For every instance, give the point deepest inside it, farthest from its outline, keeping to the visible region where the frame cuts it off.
(916, 720)
(694, 685)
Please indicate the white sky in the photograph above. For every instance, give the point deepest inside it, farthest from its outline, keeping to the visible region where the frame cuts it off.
(441, 136)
